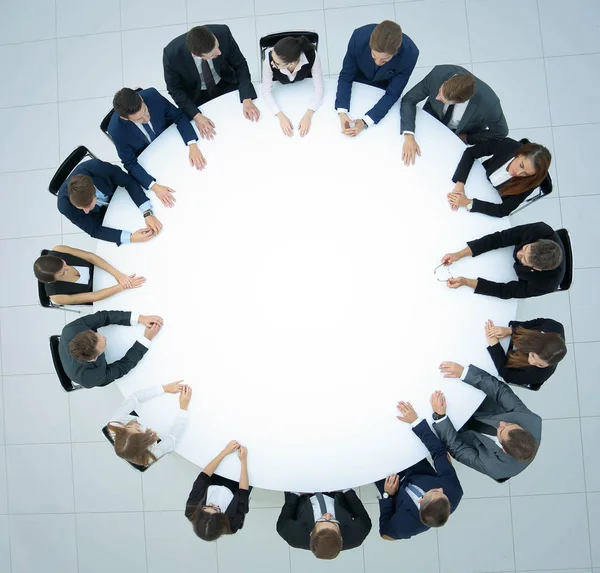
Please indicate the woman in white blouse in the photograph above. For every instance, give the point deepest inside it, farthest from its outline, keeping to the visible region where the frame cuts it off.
(142, 446)
(292, 60)
(68, 276)
(515, 169)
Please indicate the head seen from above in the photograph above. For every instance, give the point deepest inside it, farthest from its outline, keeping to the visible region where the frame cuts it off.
(517, 442)
(86, 346)
(130, 106)
(527, 170)
(543, 255)
(201, 42)
(535, 348)
(209, 523)
(82, 193)
(326, 538)
(385, 42)
(434, 508)
(457, 89)
(287, 51)
(132, 443)
(49, 268)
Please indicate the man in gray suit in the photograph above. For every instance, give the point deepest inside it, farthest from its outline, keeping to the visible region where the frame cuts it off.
(464, 103)
(501, 438)
(81, 348)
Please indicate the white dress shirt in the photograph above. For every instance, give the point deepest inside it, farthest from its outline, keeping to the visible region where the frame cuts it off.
(329, 504)
(501, 175)
(220, 495)
(143, 129)
(84, 275)
(216, 76)
(267, 81)
(457, 113)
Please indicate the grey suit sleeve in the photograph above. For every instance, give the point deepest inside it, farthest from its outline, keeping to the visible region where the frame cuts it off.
(496, 124)
(408, 104)
(105, 318)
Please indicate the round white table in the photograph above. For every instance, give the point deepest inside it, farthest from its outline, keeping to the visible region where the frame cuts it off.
(296, 280)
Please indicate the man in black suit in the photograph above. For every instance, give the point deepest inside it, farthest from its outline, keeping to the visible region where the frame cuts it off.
(81, 348)
(419, 497)
(461, 101)
(540, 263)
(202, 65)
(325, 523)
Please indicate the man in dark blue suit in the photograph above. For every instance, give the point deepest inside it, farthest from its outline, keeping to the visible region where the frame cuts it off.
(381, 56)
(139, 118)
(420, 497)
(84, 196)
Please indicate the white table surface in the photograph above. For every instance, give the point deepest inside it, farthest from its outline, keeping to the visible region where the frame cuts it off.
(295, 277)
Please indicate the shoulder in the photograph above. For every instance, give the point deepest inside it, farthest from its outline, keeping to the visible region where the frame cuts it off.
(221, 31)
(486, 93)
(175, 45)
(152, 96)
(363, 33)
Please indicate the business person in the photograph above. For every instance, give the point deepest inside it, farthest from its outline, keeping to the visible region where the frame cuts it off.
(419, 497)
(378, 55)
(68, 276)
(84, 196)
(216, 505)
(81, 348)
(292, 60)
(139, 118)
(325, 523)
(202, 65)
(140, 445)
(515, 169)
(535, 349)
(458, 99)
(539, 262)
(501, 438)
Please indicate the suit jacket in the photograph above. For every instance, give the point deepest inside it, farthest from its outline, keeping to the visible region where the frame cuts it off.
(130, 141)
(106, 178)
(477, 450)
(529, 282)
(99, 372)
(392, 76)
(182, 77)
(399, 516)
(530, 376)
(297, 520)
(483, 119)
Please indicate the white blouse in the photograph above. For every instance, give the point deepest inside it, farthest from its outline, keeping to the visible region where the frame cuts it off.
(84, 275)
(220, 495)
(168, 442)
(267, 81)
(501, 175)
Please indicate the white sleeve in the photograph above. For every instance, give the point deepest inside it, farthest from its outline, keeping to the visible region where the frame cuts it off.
(267, 86)
(317, 75)
(168, 442)
(131, 402)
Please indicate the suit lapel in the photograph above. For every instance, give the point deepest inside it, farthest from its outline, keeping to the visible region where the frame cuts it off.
(471, 107)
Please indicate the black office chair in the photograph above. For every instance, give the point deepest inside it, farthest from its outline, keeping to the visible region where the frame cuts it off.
(271, 39)
(566, 241)
(45, 300)
(67, 384)
(107, 435)
(104, 123)
(544, 189)
(67, 166)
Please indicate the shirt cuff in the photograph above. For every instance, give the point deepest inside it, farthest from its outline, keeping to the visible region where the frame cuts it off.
(135, 319)
(440, 420)
(416, 422)
(125, 237)
(192, 141)
(145, 206)
(464, 374)
(144, 341)
(341, 110)
(151, 183)
(295, 493)
(368, 120)
(409, 132)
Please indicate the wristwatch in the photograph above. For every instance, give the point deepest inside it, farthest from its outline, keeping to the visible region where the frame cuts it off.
(385, 495)
(437, 416)
(148, 213)
(365, 124)
(470, 205)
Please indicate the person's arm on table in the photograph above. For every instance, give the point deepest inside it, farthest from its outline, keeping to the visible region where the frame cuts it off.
(316, 99)
(212, 466)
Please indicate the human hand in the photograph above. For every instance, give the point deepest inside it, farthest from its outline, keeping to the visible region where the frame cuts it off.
(243, 454)
(285, 124)
(197, 160)
(438, 403)
(231, 447)
(457, 200)
(491, 339)
(150, 319)
(304, 125)
(410, 149)
(142, 235)
(251, 112)
(451, 369)
(153, 223)
(185, 396)
(126, 281)
(173, 387)
(165, 194)
(205, 126)
(392, 484)
(151, 331)
(136, 282)
(463, 137)
(344, 121)
(359, 125)
(450, 258)
(499, 331)
(407, 412)
(456, 282)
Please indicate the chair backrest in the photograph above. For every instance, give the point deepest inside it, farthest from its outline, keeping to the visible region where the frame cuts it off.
(63, 378)
(271, 39)
(106, 120)
(566, 241)
(42, 294)
(63, 172)
(107, 435)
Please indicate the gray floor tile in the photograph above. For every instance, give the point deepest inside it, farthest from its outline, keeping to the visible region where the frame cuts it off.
(4, 543)
(197, 11)
(580, 218)
(586, 358)
(92, 17)
(266, 498)
(477, 485)
(348, 3)
(90, 410)
(349, 561)
(593, 501)
(546, 209)
(585, 304)
(590, 435)
(150, 13)
(27, 20)
(3, 482)
(262, 7)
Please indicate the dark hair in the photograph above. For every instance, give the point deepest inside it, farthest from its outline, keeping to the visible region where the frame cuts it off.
(520, 444)
(127, 102)
(46, 267)
(209, 526)
(459, 88)
(133, 447)
(326, 542)
(549, 346)
(546, 255)
(289, 48)
(200, 40)
(436, 512)
(386, 38)
(83, 346)
(81, 190)
(540, 158)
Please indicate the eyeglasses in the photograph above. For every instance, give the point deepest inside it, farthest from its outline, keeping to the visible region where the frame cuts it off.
(326, 520)
(447, 275)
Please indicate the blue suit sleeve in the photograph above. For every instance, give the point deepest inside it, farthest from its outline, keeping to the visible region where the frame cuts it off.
(176, 116)
(90, 223)
(130, 162)
(121, 179)
(347, 75)
(436, 448)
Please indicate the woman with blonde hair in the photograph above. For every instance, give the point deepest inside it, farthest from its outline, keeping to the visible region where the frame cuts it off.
(140, 445)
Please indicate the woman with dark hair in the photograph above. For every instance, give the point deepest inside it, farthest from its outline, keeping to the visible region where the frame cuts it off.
(216, 505)
(515, 169)
(68, 276)
(292, 60)
(536, 347)
(137, 444)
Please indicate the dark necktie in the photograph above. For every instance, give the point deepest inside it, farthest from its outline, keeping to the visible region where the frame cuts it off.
(209, 79)
(321, 501)
(448, 115)
(482, 427)
(149, 131)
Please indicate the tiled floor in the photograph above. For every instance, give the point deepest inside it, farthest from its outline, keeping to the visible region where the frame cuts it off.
(68, 504)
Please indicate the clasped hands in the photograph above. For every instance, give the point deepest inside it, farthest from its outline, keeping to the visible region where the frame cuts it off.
(184, 391)
(346, 124)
